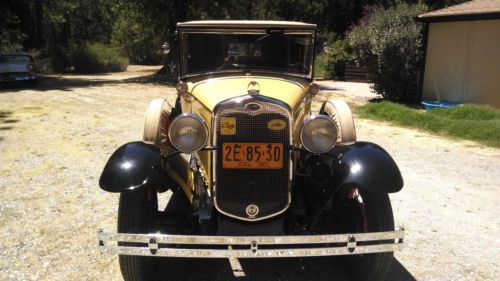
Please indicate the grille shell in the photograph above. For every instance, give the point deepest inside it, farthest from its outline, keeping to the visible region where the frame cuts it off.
(269, 189)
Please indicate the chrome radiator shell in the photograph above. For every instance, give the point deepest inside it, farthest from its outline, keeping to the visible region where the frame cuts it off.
(236, 189)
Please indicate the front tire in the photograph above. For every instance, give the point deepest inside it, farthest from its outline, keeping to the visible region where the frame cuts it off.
(373, 213)
(138, 213)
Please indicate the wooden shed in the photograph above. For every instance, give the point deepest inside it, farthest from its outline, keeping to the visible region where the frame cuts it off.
(462, 53)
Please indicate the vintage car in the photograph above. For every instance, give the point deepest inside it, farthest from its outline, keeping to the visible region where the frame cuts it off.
(18, 67)
(252, 171)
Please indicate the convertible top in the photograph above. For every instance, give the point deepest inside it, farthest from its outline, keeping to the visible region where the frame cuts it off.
(246, 24)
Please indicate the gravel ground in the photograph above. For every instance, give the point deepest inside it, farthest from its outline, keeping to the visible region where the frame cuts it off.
(54, 141)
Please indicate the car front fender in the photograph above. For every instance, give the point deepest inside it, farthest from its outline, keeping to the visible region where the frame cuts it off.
(363, 165)
(133, 166)
(368, 166)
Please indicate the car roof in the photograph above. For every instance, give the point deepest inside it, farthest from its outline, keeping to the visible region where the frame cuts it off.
(246, 24)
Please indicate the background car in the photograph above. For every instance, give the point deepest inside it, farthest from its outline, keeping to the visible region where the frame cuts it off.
(18, 67)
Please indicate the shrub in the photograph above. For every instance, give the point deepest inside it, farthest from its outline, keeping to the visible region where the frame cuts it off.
(338, 54)
(97, 58)
(320, 66)
(331, 63)
(389, 42)
(58, 60)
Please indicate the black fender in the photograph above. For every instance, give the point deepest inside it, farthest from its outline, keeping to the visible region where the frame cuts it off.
(369, 167)
(363, 165)
(137, 165)
(134, 166)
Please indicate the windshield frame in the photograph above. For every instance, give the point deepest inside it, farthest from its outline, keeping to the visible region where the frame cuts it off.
(222, 31)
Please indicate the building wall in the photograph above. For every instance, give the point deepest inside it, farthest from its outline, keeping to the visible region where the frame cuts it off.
(463, 62)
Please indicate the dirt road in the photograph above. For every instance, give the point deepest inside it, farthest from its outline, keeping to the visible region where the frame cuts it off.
(54, 141)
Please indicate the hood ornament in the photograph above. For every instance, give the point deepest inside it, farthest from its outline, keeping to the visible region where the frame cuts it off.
(253, 88)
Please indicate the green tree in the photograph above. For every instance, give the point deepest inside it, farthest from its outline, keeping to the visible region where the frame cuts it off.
(11, 36)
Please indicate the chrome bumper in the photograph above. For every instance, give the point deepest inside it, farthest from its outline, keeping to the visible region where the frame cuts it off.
(165, 245)
(9, 77)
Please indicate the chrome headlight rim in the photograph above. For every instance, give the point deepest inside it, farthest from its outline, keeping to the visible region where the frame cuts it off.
(197, 118)
(310, 119)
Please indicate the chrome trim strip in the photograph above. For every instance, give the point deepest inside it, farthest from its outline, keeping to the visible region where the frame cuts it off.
(245, 98)
(166, 245)
(215, 114)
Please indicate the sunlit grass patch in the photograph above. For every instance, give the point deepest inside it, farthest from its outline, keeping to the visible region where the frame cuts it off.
(471, 122)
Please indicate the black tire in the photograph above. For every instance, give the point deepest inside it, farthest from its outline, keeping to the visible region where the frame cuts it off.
(138, 213)
(378, 212)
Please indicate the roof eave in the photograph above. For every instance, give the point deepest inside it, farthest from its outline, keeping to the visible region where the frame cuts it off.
(458, 17)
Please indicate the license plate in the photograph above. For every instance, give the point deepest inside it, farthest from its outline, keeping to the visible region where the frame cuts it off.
(236, 155)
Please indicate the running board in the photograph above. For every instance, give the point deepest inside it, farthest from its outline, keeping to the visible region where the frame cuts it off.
(191, 246)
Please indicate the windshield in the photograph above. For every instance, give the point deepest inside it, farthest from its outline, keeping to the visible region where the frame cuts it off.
(14, 58)
(210, 52)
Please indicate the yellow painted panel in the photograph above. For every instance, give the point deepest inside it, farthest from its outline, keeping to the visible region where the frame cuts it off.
(212, 91)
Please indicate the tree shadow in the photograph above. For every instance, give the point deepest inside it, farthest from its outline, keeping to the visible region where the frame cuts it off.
(4, 114)
(10, 121)
(284, 269)
(329, 88)
(5, 118)
(48, 83)
(68, 83)
(156, 78)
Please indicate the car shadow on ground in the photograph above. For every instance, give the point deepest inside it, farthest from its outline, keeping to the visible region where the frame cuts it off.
(68, 83)
(287, 269)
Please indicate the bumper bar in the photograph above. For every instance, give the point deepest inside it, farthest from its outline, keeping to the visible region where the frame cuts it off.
(165, 245)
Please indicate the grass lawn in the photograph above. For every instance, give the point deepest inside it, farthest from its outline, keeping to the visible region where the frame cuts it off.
(471, 122)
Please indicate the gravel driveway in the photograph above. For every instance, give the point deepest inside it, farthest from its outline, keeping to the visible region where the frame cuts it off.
(54, 141)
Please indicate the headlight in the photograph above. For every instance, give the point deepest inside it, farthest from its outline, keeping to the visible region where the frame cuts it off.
(318, 133)
(188, 133)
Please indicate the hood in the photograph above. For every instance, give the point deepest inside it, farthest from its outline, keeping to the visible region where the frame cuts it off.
(212, 91)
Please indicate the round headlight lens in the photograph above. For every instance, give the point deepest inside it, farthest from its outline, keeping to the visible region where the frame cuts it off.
(319, 133)
(188, 133)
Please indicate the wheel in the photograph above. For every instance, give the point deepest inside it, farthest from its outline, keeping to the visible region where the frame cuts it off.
(369, 212)
(138, 213)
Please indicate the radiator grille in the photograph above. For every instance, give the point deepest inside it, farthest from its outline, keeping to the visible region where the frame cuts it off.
(238, 188)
